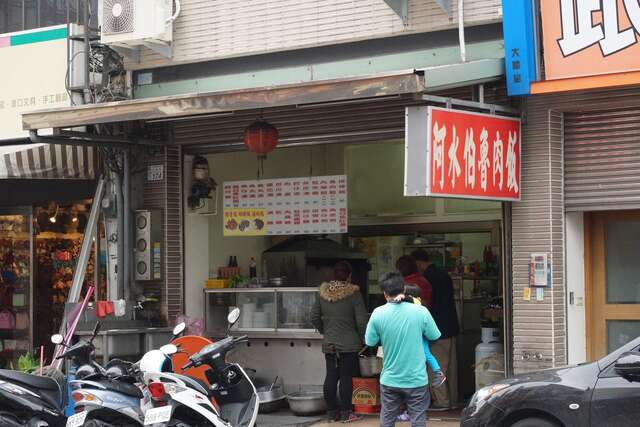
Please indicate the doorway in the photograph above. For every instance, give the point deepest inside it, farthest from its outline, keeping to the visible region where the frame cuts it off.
(612, 279)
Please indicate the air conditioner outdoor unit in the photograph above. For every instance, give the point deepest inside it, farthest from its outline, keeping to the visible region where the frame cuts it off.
(133, 23)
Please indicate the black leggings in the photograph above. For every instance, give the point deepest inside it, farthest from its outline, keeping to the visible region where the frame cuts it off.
(341, 367)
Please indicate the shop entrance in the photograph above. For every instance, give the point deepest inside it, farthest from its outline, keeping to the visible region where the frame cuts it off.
(470, 254)
(612, 271)
(464, 237)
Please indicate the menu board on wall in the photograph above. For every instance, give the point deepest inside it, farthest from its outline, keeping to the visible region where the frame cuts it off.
(304, 205)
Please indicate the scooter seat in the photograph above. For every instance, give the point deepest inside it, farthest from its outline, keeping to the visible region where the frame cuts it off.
(122, 387)
(34, 381)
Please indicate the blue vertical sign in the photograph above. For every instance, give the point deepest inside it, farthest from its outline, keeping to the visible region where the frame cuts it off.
(520, 47)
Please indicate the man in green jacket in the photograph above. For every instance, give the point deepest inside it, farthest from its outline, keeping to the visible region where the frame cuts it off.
(340, 315)
(400, 329)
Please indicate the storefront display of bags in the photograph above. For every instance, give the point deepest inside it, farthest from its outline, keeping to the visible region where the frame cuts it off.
(7, 320)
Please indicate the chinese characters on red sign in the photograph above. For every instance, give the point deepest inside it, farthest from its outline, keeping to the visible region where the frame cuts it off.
(473, 155)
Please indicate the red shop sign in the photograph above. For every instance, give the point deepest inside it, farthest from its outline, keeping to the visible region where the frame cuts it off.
(472, 155)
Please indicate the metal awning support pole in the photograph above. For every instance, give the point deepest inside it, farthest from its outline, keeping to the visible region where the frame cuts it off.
(87, 240)
(85, 253)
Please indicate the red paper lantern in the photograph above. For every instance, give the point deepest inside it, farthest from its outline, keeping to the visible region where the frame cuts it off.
(261, 137)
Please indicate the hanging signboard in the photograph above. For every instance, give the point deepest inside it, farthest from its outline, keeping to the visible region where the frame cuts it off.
(462, 154)
(33, 76)
(305, 205)
(587, 38)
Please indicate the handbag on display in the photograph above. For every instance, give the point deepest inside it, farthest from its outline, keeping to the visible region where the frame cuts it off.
(7, 320)
(22, 320)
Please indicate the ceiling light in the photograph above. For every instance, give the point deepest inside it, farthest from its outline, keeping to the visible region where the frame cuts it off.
(52, 218)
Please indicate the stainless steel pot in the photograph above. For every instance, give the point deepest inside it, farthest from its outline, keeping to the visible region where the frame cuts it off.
(307, 403)
(370, 366)
(271, 399)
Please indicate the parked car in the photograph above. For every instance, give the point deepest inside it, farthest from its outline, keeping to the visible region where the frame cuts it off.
(602, 393)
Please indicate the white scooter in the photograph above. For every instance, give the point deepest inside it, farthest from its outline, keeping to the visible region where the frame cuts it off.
(182, 401)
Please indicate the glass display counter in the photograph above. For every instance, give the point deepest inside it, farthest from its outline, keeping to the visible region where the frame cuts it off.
(283, 312)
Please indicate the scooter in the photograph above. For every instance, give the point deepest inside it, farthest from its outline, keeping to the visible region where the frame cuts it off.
(115, 396)
(30, 400)
(38, 401)
(183, 401)
(106, 397)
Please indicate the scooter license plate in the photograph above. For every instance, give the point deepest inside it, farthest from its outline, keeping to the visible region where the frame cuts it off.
(77, 420)
(157, 415)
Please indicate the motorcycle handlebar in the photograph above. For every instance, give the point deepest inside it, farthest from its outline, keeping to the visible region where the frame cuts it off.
(193, 362)
(189, 365)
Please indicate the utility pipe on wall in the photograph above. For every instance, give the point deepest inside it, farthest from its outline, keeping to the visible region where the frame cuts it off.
(121, 233)
(128, 229)
(463, 46)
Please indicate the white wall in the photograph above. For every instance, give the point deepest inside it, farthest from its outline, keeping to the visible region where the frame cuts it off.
(576, 328)
(196, 249)
(214, 29)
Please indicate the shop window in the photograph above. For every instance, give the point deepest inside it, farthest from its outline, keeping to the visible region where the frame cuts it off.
(621, 332)
(10, 16)
(19, 15)
(52, 12)
(622, 243)
(30, 14)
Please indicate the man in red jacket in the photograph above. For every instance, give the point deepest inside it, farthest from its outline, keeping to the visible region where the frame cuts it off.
(408, 267)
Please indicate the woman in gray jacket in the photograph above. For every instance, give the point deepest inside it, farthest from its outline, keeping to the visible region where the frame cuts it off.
(340, 315)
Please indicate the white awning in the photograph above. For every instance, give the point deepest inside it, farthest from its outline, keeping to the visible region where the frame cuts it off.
(44, 161)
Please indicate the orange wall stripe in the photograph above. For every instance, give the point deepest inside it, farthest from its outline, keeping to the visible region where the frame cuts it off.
(583, 83)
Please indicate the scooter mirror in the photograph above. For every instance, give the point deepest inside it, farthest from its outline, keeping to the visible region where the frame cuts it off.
(169, 349)
(233, 316)
(57, 339)
(180, 328)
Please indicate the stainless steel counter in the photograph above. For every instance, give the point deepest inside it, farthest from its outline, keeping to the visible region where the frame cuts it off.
(128, 342)
(265, 313)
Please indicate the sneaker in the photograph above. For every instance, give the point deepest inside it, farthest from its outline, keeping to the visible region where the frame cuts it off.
(403, 417)
(438, 379)
(351, 418)
(332, 417)
(438, 408)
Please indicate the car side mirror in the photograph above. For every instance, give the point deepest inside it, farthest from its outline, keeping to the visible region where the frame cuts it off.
(628, 366)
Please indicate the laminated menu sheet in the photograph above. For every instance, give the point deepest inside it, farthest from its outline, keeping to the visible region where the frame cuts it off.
(289, 206)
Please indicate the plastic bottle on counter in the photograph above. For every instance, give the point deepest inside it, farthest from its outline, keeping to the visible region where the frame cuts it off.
(253, 268)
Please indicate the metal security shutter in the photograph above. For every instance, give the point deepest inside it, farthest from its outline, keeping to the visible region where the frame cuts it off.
(602, 159)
